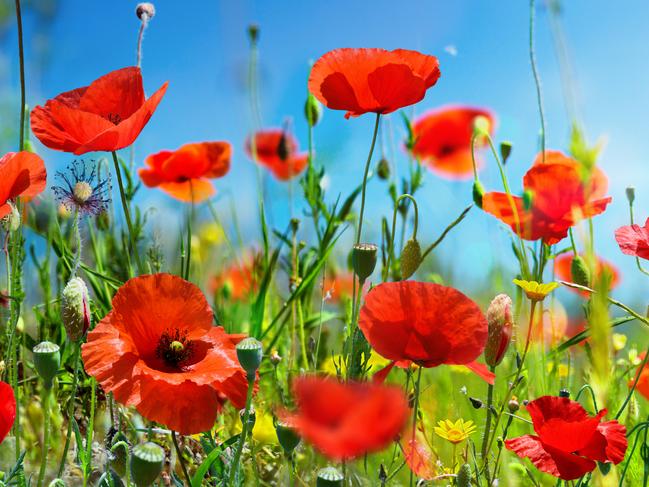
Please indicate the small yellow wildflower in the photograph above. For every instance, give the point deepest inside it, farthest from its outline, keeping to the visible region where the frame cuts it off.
(376, 362)
(619, 341)
(561, 369)
(536, 291)
(455, 432)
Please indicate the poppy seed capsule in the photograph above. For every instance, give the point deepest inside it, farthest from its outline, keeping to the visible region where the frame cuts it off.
(312, 110)
(329, 477)
(364, 260)
(47, 359)
(500, 324)
(287, 437)
(579, 271)
(410, 258)
(250, 353)
(630, 194)
(75, 309)
(145, 11)
(147, 461)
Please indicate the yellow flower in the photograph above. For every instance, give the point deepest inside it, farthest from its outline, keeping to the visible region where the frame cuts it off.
(212, 234)
(619, 341)
(376, 363)
(561, 369)
(536, 291)
(264, 430)
(455, 432)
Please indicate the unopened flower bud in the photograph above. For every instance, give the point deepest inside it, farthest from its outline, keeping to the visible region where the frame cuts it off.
(383, 169)
(476, 403)
(147, 461)
(410, 258)
(564, 393)
(481, 126)
(500, 325)
(478, 193)
(579, 271)
(11, 221)
(287, 437)
(630, 194)
(505, 150)
(145, 11)
(513, 405)
(119, 453)
(312, 110)
(364, 260)
(47, 359)
(329, 477)
(253, 33)
(250, 353)
(275, 357)
(75, 309)
(463, 478)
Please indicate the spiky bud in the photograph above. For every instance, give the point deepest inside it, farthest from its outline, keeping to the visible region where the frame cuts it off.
(579, 271)
(463, 478)
(75, 309)
(383, 169)
(500, 325)
(410, 258)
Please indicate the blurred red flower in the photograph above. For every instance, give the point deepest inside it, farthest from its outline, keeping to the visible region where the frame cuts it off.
(277, 150)
(346, 420)
(634, 239)
(425, 323)
(185, 173)
(643, 381)
(158, 351)
(559, 199)
(7, 409)
(562, 268)
(372, 80)
(22, 174)
(107, 115)
(443, 139)
(569, 442)
(240, 277)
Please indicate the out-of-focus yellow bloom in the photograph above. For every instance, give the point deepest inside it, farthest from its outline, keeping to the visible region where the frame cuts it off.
(561, 369)
(376, 363)
(634, 357)
(536, 291)
(264, 430)
(619, 341)
(212, 234)
(455, 432)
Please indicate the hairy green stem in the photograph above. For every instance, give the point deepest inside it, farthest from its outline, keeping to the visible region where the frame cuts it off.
(234, 466)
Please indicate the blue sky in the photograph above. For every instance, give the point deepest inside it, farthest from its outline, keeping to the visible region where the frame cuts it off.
(202, 50)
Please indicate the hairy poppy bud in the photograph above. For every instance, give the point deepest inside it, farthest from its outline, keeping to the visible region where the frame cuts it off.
(630, 194)
(364, 260)
(463, 478)
(312, 110)
(500, 321)
(528, 198)
(329, 477)
(383, 169)
(478, 193)
(147, 461)
(119, 451)
(275, 357)
(250, 353)
(579, 271)
(75, 309)
(505, 150)
(47, 359)
(145, 11)
(11, 222)
(410, 258)
(287, 437)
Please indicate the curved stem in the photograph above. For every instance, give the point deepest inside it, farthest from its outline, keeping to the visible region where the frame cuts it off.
(21, 57)
(367, 170)
(537, 80)
(77, 237)
(234, 466)
(445, 232)
(70, 412)
(487, 431)
(47, 393)
(181, 460)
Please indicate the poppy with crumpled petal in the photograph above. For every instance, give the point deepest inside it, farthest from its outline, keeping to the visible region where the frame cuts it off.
(634, 239)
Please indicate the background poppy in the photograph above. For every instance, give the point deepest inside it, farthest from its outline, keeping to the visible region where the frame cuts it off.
(22, 174)
(7, 409)
(277, 150)
(634, 239)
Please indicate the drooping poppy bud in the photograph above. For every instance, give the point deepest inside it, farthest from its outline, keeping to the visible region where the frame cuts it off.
(383, 169)
(364, 260)
(579, 271)
(505, 150)
(147, 461)
(287, 437)
(478, 193)
(312, 110)
(119, 453)
(500, 322)
(75, 309)
(47, 359)
(329, 477)
(250, 353)
(410, 258)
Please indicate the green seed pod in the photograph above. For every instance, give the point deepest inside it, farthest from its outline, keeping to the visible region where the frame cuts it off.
(47, 359)
(75, 309)
(463, 478)
(630, 194)
(119, 454)
(364, 260)
(505, 150)
(287, 437)
(312, 110)
(579, 271)
(329, 477)
(383, 169)
(410, 258)
(478, 193)
(147, 461)
(250, 353)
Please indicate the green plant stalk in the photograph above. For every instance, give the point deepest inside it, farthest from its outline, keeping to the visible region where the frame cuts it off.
(487, 429)
(181, 460)
(234, 469)
(365, 173)
(47, 394)
(537, 81)
(415, 412)
(89, 434)
(633, 386)
(394, 221)
(70, 412)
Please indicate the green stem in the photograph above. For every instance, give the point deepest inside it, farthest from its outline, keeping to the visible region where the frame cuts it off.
(415, 412)
(537, 81)
(21, 57)
(89, 433)
(234, 466)
(190, 218)
(367, 170)
(181, 460)
(127, 214)
(635, 383)
(70, 412)
(487, 430)
(47, 393)
(445, 232)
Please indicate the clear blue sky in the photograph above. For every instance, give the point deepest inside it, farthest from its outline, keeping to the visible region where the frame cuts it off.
(202, 49)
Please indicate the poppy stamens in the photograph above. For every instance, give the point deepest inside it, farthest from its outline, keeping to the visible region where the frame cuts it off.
(174, 347)
(114, 118)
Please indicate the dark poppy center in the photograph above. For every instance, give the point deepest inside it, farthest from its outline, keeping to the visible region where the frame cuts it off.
(174, 348)
(114, 118)
(446, 150)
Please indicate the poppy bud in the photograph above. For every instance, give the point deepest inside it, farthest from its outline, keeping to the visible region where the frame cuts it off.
(275, 357)
(147, 461)
(475, 402)
(383, 169)
(329, 477)
(481, 126)
(630, 194)
(513, 405)
(564, 393)
(478, 193)
(528, 197)
(47, 359)
(287, 437)
(253, 33)
(463, 478)
(364, 260)
(579, 271)
(119, 454)
(505, 150)
(11, 222)
(145, 11)
(312, 110)
(75, 309)
(410, 258)
(500, 321)
(250, 353)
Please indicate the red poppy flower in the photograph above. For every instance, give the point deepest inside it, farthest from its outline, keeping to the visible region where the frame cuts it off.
(158, 351)
(559, 199)
(22, 174)
(7, 409)
(372, 80)
(569, 442)
(346, 420)
(563, 264)
(277, 150)
(107, 115)
(443, 139)
(425, 323)
(185, 173)
(240, 278)
(634, 239)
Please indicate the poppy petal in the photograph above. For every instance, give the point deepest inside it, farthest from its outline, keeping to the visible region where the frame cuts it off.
(7, 409)
(116, 95)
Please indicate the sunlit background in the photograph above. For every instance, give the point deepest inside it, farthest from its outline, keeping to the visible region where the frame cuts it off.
(202, 49)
